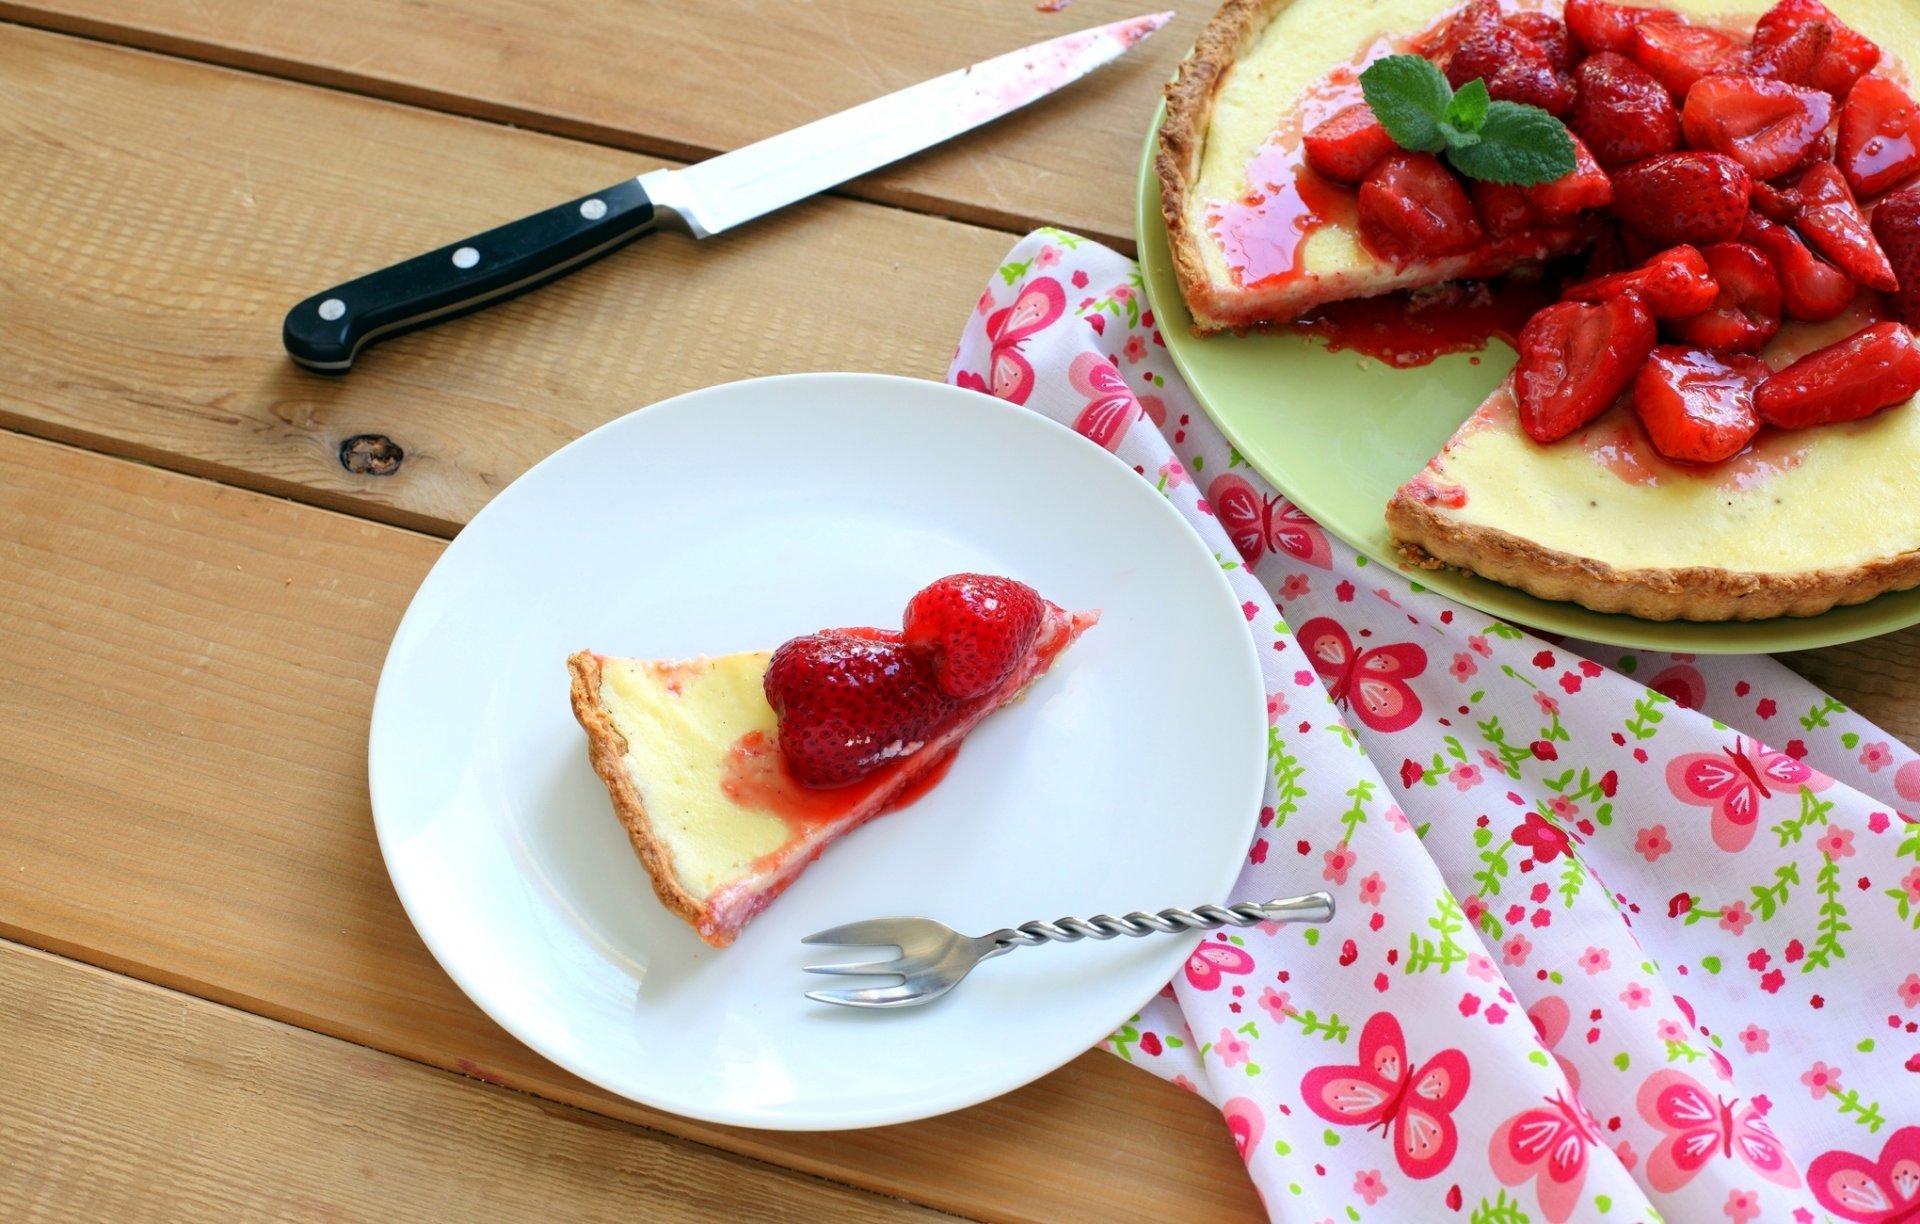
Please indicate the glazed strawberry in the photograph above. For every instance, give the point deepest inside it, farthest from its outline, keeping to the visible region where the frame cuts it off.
(1475, 18)
(1874, 368)
(1600, 26)
(1674, 284)
(1770, 127)
(1575, 360)
(1776, 203)
(1811, 289)
(1832, 225)
(1879, 144)
(1896, 223)
(1678, 55)
(1346, 146)
(1412, 207)
(1794, 59)
(1684, 197)
(1547, 33)
(1697, 405)
(848, 701)
(1514, 67)
(972, 630)
(1505, 208)
(1623, 114)
(1746, 314)
(1848, 55)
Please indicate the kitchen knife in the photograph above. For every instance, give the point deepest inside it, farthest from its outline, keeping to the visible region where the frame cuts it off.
(327, 331)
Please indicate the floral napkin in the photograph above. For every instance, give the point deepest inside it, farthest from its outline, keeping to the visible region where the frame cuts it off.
(1621, 935)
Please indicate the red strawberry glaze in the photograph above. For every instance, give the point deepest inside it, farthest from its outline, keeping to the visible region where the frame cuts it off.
(1410, 329)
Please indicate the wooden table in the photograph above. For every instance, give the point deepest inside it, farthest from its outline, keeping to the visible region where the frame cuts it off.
(213, 1004)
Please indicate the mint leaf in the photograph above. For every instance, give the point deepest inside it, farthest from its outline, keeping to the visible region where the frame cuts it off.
(1522, 145)
(1410, 98)
(1469, 106)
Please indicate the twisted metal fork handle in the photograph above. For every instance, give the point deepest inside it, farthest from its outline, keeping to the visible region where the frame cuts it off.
(1313, 907)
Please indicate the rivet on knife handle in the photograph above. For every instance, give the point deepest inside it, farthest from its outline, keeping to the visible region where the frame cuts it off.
(328, 330)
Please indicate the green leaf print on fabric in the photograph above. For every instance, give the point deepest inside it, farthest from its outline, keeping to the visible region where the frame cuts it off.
(1768, 898)
(1645, 723)
(1511, 755)
(1852, 1104)
(1355, 816)
(1499, 1210)
(1813, 810)
(1826, 948)
(1445, 951)
(1287, 772)
(1817, 716)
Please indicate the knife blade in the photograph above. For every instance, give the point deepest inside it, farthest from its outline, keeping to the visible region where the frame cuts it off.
(327, 331)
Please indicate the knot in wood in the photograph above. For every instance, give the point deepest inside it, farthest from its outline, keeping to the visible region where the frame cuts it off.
(371, 455)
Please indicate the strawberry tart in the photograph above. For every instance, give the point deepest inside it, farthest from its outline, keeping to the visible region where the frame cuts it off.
(1713, 420)
(732, 773)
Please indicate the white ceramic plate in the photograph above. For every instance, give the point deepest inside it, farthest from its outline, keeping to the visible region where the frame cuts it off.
(731, 519)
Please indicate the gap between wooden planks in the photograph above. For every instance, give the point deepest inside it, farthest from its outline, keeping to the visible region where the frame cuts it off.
(127, 1101)
(689, 80)
(188, 672)
(162, 216)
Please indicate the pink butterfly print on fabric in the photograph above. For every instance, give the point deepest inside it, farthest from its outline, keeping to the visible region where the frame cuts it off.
(1111, 405)
(1548, 1142)
(1383, 1091)
(1039, 303)
(1551, 1018)
(1261, 525)
(1884, 1191)
(1210, 960)
(1698, 1126)
(1734, 782)
(1372, 682)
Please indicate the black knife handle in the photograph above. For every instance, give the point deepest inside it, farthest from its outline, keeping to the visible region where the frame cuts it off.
(328, 330)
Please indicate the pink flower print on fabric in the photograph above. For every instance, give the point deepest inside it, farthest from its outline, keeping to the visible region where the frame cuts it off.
(1111, 405)
(1736, 917)
(1856, 1188)
(1596, 960)
(1742, 1206)
(1734, 782)
(1231, 1049)
(1275, 1002)
(1038, 305)
(1836, 844)
(1260, 525)
(1210, 960)
(1368, 1185)
(1820, 1078)
(1373, 683)
(1753, 1039)
(1339, 861)
(1697, 1126)
(1636, 996)
(1652, 842)
(1876, 756)
(1383, 1091)
(1910, 991)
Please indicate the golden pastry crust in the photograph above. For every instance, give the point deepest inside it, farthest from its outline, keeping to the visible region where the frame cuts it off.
(607, 749)
(1433, 539)
(1228, 36)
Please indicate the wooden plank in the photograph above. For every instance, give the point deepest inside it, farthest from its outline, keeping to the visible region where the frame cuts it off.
(126, 1101)
(147, 274)
(689, 80)
(185, 684)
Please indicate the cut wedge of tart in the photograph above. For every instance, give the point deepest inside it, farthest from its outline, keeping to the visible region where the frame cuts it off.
(1800, 521)
(692, 756)
(1257, 235)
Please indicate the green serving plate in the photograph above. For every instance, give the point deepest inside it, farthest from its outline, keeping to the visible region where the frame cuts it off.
(1338, 432)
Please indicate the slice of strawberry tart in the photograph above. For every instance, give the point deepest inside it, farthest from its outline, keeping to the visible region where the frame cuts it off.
(732, 773)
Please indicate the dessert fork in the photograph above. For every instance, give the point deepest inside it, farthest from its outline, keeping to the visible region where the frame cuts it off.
(934, 957)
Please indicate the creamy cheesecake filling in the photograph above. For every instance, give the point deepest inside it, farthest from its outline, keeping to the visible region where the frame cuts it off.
(682, 722)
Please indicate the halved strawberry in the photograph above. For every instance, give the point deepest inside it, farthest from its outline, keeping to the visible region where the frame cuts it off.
(1879, 137)
(972, 630)
(1811, 289)
(1505, 208)
(1548, 33)
(1795, 58)
(1575, 360)
(1346, 146)
(1674, 284)
(1848, 55)
(1597, 25)
(1622, 113)
(1746, 314)
(1678, 55)
(1698, 405)
(1684, 197)
(1412, 207)
(1770, 127)
(849, 700)
(1514, 67)
(1896, 223)
(1776, 203)
(1874, 368)
(1832, 224)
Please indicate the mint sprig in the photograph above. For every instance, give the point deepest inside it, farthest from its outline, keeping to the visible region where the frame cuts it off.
(1501, 142)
